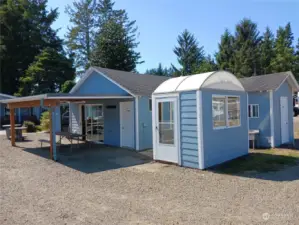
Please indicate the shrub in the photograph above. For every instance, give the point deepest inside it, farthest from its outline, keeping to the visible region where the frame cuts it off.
(30, 126)
(45, 121)
(38, 128)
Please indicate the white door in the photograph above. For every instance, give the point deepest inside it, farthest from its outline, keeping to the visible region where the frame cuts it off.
(166, 116)
(127, 124)
(284, 120)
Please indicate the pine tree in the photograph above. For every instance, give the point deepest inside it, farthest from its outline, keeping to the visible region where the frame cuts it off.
(296, 63)
(25, 32)
(207, 65)
(80, 36)
(159, 71)
(246, 44)
(47, 74)
(225, 55)
(283, 50)
(116, 43)
(266, 51)
(188, 52)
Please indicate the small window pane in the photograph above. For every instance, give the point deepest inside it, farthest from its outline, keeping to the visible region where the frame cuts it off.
(150, 105)
(249, 111)
(255, 111)
(166, 123)
(233, 111)
(219, 110)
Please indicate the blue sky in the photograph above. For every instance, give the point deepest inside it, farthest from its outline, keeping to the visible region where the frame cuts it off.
(160, 22)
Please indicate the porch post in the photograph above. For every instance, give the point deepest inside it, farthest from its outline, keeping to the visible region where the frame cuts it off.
(12, 127)
(51, 132)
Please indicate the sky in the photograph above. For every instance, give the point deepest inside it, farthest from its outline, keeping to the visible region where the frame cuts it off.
(161, 21)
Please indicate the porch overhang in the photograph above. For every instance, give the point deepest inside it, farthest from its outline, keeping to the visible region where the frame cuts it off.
(51, 101)
(48, 100)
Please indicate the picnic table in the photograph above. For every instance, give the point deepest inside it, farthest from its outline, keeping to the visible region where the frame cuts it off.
(19, 133)
(252, 136)
(69, 136)
(7, 129)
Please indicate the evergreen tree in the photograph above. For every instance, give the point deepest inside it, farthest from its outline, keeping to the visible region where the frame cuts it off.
(296, 63)
(47, 74)
(80, 36)
(207, 65)
(246, 44)
(116, 42)
(266, 51)
(284, 52)
(225, 55)
(159, 71)
(25, 31)
(188, 53)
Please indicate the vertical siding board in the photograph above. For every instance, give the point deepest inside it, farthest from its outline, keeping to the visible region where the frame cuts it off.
(188, 121)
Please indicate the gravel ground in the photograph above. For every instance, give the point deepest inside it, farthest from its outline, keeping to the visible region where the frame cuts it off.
(35, 190)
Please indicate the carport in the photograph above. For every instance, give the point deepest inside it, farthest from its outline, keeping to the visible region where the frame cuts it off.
(52, 102)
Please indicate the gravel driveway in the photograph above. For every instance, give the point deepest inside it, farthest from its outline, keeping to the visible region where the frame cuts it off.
(35, 190)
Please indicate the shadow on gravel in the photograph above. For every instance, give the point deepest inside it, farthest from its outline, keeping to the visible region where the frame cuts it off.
(261, 166)
(95, 159)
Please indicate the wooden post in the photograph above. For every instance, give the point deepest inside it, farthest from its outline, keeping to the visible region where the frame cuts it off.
(51, 133)
(12, 127)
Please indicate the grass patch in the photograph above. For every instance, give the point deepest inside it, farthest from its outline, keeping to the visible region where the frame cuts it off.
(261, 161)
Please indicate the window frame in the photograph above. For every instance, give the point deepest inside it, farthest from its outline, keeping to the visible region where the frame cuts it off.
(251, 111)
(226, 111)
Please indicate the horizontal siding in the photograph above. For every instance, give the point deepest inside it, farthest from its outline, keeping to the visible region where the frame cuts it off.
(188, 121)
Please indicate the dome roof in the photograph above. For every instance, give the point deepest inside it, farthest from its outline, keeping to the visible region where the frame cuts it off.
(221, 80)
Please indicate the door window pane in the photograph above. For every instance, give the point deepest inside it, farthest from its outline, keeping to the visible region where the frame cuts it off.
(166, 122)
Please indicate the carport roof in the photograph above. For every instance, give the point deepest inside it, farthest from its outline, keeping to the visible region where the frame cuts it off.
(63, 97)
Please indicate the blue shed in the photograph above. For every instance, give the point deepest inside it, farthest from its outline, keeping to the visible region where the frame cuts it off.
(200, 120)
(270, 107)
(118, 111)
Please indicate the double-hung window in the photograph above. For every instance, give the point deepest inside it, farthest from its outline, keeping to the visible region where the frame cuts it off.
(253, 111)
(226, 111)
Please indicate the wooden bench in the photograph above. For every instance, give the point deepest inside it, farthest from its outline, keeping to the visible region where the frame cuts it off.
(43, 141)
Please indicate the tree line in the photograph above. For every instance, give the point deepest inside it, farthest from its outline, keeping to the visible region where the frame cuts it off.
(35, 60)
(245, 52)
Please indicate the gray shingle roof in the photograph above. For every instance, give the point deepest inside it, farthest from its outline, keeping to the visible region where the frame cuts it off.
(264, 82)
(138, 84)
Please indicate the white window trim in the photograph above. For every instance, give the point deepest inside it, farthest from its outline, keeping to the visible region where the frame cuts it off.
(226, 113)
(251, 111)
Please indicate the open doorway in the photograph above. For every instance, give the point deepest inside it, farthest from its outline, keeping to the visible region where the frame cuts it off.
(93, 122)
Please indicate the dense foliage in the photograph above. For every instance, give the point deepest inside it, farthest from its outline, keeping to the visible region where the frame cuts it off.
(25, 33)
(35, 60)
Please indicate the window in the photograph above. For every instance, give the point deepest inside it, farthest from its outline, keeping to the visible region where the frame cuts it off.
(233, 109)
(150, 105)
(219, 112)
(253, 111)
(226, 111)
(166, 123)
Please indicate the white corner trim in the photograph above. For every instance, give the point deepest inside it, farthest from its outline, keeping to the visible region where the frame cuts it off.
(201, 160)
(247, 104)
(177, 114)
(271, 118)
(154, 125)
(120, 124)
(137, 122)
